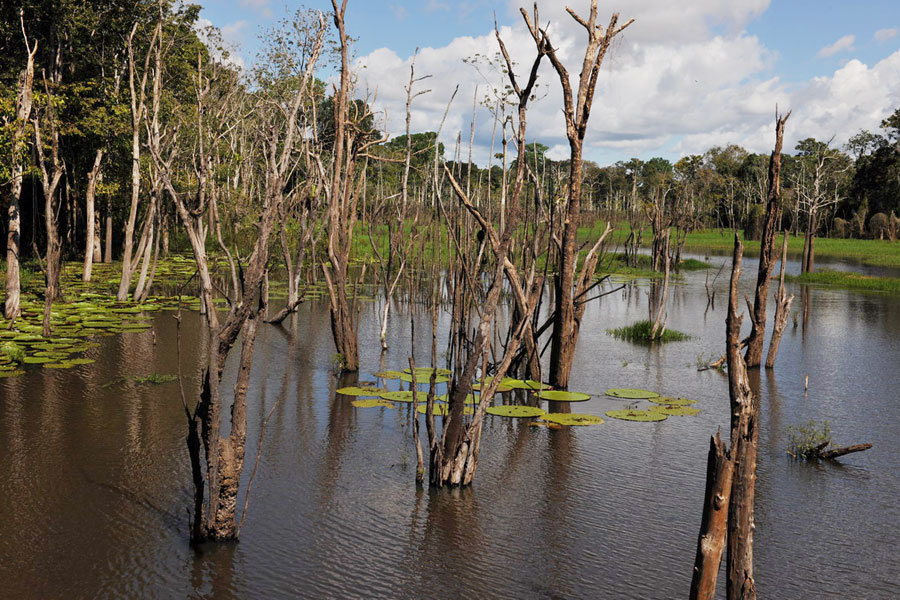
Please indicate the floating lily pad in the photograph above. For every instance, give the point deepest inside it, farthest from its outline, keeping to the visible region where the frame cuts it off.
(360, 391)
(633, 414)
(672, 401)
(423, 378)
(676, 410)
(426, 371)
(372, 403)
(60, 365)
(500, 388)
(402, 396)
(442, 409)
(16, 373)
(631, 393)
(572, 419)
(389, 374)
(525, 384)
(37, 360)
(562, 396)
(511, 410)
(81, 361)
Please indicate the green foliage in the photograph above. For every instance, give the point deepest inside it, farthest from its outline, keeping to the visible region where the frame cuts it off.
(806, 441)
(848, 280)
(154, 379)
(12, 351)
(641, 332)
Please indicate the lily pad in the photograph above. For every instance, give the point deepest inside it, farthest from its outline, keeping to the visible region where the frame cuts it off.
(675, 410)
(360, 391)
(37, 360)
(563, 396)
(423, 378)
(402, 396)
(572, 419)
(631, 393)
(16, 373)
(633, 414)
(389, 374)
(500, 388)
(672, 401)
(443, 409)
(372, 403)
(525, 384)
(518, 411)
(426, 371)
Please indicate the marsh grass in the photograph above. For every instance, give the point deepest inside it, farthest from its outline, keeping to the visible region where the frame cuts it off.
(640, 332)
(848, 280)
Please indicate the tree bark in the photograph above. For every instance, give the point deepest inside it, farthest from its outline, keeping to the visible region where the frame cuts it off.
(753, 357)
(744, 444)
(12, 304)
(90, 241)
(711, 542)
(782, 309)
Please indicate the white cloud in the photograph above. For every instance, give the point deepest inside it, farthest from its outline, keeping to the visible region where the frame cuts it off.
(436, 5)
(883, 35)
(665, 88)
(843, 44)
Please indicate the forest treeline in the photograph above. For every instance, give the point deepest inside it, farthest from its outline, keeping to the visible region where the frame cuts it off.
(82, 81)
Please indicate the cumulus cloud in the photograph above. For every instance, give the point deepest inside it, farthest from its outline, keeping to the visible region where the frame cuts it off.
(667, 87)
(843, 44)
(883, 35)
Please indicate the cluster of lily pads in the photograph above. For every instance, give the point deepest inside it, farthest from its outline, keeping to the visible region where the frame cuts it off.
(373, 396)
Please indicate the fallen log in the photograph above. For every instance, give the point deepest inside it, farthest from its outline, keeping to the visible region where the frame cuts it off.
(836, 452)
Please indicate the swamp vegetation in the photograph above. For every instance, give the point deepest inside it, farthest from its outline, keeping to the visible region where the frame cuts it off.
(303, 309)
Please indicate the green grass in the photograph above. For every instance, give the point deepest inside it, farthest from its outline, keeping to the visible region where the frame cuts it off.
(640, 332)
(847, 280)
(879, 253)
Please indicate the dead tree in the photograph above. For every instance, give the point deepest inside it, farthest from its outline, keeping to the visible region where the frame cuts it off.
(454, 454)
(576, 110)
(12, 304)
(343, 192)
(138, 94)
(217, 460)
(782, 309)
(713, 527)
(767, 256)
(50, 180)
(744, 445)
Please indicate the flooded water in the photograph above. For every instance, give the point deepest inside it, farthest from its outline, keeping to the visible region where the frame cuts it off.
(94, 478)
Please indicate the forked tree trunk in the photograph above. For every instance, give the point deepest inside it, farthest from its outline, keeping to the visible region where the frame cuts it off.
(753, 357)
(782, 309)
(576, 110)
(12, 304)
(744, 444)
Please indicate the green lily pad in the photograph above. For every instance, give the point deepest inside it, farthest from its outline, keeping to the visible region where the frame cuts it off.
(37, 360)
(672, 401)
(525, 384)
(675, 410)
(563, 396)
(511, 410)
(631, 393)
(16, 373)
(81, 361)
(500, 388)
(442, 409)
(60, 365)
(426, 371)
(372, 403)
(572, 419)
(633, 414)
(360, 391)
(402, 396)
(423, 378)
(389, 374)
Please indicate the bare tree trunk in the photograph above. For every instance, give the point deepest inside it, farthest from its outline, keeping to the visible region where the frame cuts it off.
(107, 245)
(90, 245)
(711, 542)
(12, 304)
(753, 357)
(97, 250)
(744, 445)
(576, 111)
(782, 309)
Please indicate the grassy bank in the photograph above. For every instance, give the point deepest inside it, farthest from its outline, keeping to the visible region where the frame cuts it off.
(881, 253)
(851, 281)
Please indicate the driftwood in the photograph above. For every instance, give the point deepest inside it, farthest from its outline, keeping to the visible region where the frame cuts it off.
(820, 452)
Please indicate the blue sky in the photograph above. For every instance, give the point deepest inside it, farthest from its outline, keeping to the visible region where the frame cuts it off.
(682, 78)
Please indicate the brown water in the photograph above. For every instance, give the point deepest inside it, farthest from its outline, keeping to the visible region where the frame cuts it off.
(94, 480)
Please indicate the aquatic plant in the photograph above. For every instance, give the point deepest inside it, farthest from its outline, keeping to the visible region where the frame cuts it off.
(515, 411)
(563, 396)
(671, 401)
(635, 414)
(572, 419)
(640, 332)
(808, 439)
(361, 391)
(372, 403)
(674, 410)
(631, 394)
